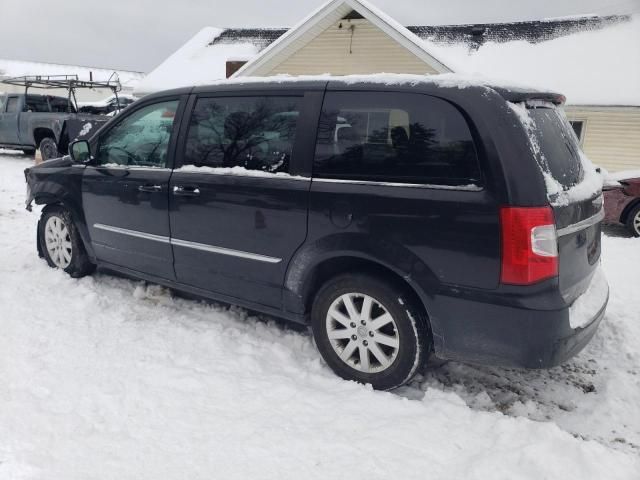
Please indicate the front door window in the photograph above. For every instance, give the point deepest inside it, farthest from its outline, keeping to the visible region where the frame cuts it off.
(141, 139)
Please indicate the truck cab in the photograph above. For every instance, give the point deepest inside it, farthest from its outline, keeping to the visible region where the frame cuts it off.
(46, 122)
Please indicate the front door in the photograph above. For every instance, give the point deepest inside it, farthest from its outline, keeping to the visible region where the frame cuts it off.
(9, 121)
(125, 190)
(237, 215)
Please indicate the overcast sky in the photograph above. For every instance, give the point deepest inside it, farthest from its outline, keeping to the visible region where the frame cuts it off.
(139, 34)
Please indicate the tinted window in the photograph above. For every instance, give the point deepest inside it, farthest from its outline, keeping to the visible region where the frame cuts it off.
(394, 137)
(60, 105)
(256, 133)
(141, 139)
(36, 103)
(12, 104)
(558, 144)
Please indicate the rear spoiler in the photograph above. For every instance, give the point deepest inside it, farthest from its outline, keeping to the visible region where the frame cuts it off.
(520, 95)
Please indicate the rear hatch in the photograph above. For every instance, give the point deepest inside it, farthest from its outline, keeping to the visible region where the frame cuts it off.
(574, 189)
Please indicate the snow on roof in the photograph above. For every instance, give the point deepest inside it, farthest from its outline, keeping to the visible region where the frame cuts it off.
(590, 67)
(19, 68)
(200, 60)
(592, 60)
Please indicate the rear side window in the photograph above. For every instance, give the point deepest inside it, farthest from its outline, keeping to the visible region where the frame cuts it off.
(60, 105)
(394, 137)
(558, 144)
(12, 104)
(36, 103)
(256, 133)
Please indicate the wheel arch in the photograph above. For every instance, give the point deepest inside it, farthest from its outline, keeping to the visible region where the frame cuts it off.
(50, 201)
(40, 133)
(307, 273)
(624, 216)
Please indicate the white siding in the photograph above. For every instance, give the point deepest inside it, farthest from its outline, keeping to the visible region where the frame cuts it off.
(358, 47)
(612, 135)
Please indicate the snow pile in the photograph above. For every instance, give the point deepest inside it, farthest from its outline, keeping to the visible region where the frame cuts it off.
(195, 63)
(104, 377)
(597, 67)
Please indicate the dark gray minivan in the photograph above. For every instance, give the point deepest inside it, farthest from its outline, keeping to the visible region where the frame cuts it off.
(399, 219)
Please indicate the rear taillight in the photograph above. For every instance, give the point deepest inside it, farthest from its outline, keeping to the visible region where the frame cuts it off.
(529, 245)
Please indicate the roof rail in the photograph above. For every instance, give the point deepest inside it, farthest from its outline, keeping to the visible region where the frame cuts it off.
(64, 81)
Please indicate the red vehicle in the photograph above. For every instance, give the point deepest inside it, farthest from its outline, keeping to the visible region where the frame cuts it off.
(622, 201)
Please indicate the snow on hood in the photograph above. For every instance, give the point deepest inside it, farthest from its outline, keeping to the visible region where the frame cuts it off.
(597, 67)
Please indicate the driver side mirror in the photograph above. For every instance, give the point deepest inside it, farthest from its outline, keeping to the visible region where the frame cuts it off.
(80, 151)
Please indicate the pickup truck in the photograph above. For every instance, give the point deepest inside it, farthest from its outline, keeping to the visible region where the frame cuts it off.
(47, 122)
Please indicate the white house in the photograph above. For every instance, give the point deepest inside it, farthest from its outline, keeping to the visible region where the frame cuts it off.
(594, 61)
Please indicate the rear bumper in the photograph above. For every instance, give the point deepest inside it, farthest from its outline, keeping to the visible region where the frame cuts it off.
(484, 333)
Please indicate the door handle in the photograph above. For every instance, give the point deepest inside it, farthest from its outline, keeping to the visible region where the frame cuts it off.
(186, 190)
(150, 188)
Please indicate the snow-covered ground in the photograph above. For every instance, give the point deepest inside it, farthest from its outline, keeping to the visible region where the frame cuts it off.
(107, 378)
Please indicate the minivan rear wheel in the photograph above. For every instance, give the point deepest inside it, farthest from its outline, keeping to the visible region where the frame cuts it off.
(369, 331)
(60, 243)
(633, 221)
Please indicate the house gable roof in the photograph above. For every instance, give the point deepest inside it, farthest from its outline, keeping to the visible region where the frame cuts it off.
(569, 55)
(322, 18)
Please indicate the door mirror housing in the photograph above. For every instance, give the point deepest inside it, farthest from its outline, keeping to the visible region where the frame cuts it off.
(80, 151)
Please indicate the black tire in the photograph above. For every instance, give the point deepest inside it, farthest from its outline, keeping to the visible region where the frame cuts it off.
(633, 221)
(28, 151)
(79, 264)
(410, 330)
(48, 148)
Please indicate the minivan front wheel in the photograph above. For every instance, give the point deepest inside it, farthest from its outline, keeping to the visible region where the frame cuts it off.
(369, 331)
(60, 243)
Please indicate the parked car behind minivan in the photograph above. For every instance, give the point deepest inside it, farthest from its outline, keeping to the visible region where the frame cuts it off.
(398, 216)
(622, 200)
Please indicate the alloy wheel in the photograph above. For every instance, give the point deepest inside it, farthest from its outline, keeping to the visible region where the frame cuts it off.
(58, 241)
(362, 332)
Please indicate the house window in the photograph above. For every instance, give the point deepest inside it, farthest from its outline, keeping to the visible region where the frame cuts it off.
(233, 66)
(578, 127)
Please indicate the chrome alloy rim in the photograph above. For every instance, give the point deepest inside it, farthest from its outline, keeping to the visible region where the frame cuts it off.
(636, 223)
(362, 332)
(58, 241)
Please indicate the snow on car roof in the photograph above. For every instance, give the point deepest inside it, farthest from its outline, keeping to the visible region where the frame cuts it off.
(453, 80)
